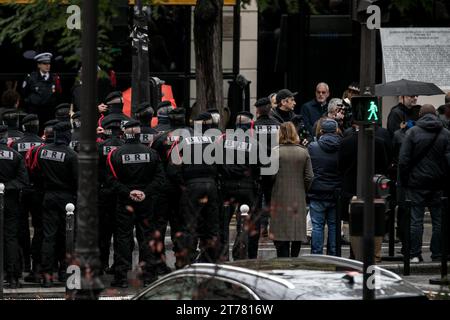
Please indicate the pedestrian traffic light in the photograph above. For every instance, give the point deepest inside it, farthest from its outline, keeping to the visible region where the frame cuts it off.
(366, 109)
(382, 186)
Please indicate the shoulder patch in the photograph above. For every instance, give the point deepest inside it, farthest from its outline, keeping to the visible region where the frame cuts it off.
(133, 158)
(25, 146)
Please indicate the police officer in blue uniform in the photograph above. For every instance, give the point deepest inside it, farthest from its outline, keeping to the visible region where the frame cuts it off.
(13, 175)
(40, 90)
(58, 165)
(135, 174)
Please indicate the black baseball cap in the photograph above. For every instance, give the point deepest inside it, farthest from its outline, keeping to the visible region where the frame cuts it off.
(285, 93)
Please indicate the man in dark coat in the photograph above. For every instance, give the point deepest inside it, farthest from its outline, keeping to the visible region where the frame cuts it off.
(314, 109)
(144, 114)
(403, 112)
(424, 163)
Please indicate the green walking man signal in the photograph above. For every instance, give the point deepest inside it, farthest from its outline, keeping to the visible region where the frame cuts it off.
(373, 109)
(365, 109)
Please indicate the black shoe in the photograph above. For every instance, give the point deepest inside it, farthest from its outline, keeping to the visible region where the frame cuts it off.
(119, 283)
(33, 277)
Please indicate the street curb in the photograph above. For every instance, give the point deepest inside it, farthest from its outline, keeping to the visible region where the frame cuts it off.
(433, 268)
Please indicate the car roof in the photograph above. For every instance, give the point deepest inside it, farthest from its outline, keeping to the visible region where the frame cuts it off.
(307, 277)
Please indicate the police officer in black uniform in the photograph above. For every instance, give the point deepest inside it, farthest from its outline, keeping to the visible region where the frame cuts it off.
(58, 164)
(62, 112)
(13, 175)
(239, 176)
(76, 131)
(199, 203)
(10, 118)
(107, 199)
(266, 129)
(144, 115)
(135, 174)
(169, 196)
(40, 90)
(114, 102)
(31, 198)
(162, 112)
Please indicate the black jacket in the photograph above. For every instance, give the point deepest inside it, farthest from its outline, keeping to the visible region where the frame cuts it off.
(324, 159)
(25, 143)
(348, 161)
(134, 166)
(281, 116)
(58, 165)
(430, 172)
(38, 92)
(400, 113)
(104, 148)
(13, 173)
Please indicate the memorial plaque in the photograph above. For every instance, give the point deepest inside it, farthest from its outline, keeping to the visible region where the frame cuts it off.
(420, 54)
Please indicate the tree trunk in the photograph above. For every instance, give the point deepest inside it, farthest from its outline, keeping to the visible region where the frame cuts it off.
(208, 55)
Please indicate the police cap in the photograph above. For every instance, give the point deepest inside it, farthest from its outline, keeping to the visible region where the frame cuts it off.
(262, 102)
(144, 107)
(51, 123)
(44, 57)
(62, 108)
(110, 98)
(62, 126)
(132, 124)
(246, 114)
(204, 116)
(164, 103)
(177, 111)
(112, 122)
(29, 119)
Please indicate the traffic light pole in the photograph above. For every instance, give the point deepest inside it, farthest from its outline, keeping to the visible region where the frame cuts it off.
(87, 251)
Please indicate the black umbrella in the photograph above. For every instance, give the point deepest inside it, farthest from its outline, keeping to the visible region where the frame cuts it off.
(407, 88)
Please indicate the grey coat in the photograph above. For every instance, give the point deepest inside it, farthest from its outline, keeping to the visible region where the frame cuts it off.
(288, 204)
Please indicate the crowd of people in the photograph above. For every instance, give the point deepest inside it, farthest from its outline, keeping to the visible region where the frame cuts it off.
(150, 177)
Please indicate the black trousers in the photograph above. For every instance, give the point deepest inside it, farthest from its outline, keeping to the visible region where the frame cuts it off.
(107, 205)
(10, 234)
(286, 249)
(31, 201)
(167, 208)
(236, 194)
(54, 227)
(199, 210)
(128, 214)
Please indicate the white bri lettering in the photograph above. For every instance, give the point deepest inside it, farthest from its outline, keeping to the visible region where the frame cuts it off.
(266, 129)
(198, 140)
(238, 145)
(135, 158)
(53, 155)
(146, 138)
(25, 146)
(108, 149)
(6, 155)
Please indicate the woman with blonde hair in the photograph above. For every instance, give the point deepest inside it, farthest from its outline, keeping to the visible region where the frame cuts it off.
(288, 206)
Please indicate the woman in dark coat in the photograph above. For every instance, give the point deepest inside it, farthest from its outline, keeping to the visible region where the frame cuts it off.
(288, 206)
